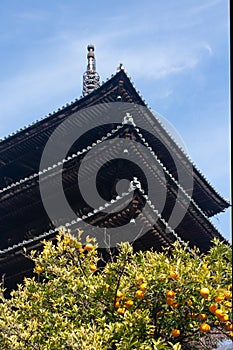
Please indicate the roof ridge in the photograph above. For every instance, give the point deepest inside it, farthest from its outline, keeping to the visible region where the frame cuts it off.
(68, 224)
(188, 157)
(59, 109)
(157, 116)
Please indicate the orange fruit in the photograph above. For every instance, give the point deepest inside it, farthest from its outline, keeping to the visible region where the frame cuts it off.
(170, 293)
(169, 301)
(143, 287)
(81, 250)
(218, 299)
(202, 317)
(38, 269)
(204, 327)
(175, 333)
(189, 302)
(229, 326)
(120, 311)
(213, 308)
(89, 247)
(174, 275)
(176, 305)
(228, 295)
(119, 294)
(228, 305)
(93, 267)
(117, 304)
(224, 318)
(204, 292)
(128, 303)
(219, 313)
(139, 294)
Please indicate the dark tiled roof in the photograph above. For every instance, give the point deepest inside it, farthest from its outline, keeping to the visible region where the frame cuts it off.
(22, 150)
(20, 154)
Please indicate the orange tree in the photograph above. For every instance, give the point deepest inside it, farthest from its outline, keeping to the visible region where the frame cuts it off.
(145, 300)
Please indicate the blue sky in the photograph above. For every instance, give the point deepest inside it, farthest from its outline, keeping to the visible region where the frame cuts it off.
(176, 52)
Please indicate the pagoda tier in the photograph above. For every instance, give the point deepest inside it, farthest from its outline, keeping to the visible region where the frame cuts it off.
(24, 221)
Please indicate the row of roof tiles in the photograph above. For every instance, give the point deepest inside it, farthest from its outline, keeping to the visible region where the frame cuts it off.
(135, 184)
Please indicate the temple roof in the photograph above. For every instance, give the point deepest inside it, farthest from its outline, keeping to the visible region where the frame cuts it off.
(23, 219)
(22, 149)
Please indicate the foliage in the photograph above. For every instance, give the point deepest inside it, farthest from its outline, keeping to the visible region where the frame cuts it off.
(145, 300)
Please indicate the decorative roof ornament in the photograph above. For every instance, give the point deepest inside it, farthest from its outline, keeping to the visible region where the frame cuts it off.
(91, 79)
(120, 67)
(128, 119)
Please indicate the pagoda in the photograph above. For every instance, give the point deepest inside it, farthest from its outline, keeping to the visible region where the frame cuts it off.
(129, 145)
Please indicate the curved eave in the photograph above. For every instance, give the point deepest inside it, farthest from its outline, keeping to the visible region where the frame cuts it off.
(97, 96)
(149, 216)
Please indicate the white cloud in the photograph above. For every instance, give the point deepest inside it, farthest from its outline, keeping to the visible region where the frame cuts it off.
(58, 69)
(160, 61)
(208, 48)
(204, 6)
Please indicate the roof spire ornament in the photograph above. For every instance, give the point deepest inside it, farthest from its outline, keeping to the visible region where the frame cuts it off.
(120, 67)
(90, 77)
